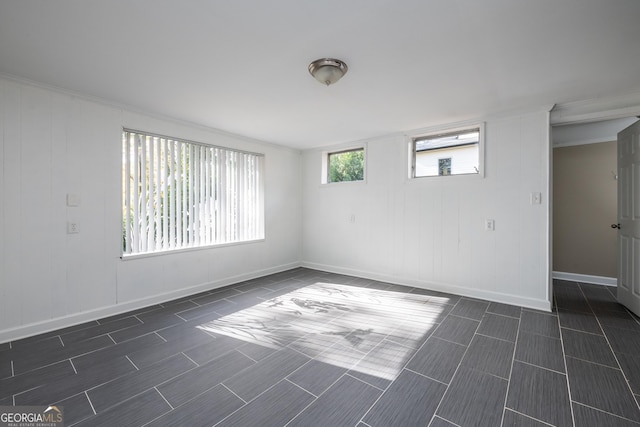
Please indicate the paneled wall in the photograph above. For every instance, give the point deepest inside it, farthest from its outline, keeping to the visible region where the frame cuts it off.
(54, 144)
(430, 232)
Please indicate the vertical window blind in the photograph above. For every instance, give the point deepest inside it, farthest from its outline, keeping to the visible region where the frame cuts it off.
(181, 194)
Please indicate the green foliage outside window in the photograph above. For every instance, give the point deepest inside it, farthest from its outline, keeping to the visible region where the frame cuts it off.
(346, 166)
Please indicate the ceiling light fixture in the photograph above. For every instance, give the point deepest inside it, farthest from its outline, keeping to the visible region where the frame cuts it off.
(328, 70)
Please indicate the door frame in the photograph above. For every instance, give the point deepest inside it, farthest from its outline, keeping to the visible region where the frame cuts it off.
(580, 112)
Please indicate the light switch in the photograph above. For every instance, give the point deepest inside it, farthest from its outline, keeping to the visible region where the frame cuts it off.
(536, 198)
(73, 200)
(490, 225)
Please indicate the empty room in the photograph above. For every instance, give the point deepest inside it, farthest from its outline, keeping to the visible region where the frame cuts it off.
(292, 213)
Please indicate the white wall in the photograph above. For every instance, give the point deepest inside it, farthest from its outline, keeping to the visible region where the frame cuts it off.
(53, 144)
(429, 232)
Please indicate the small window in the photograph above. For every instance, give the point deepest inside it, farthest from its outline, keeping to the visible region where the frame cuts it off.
(347, 165)
(450, 153)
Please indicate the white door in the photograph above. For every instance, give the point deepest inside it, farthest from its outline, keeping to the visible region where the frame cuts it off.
(629, 218)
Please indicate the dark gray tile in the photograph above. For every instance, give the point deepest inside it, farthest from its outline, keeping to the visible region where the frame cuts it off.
(254, 380)
(457, 329)
(472, 309)
(342, 405)
(87, 361)
(216, 295)
(98, 330)
(574, 301)
(580, 321)
(73, 384)
(121, 389)
(382, 364)
(444, 298)
(76, 408)
(589, 347)
(36, 359)
(133, 412)
(6, 401)
(5, 368)
(539, 323)
(589, 417)
(156, 323)
(623, 340)
(256, 351)
(316, 376)
(513, 419)
(40, 343)
(622, 320)
(166, 311)
(504, 309)
(273, 408)
(189, 339)
(219, 308)
(204, 411)
(185, 387)
(540, 394)
(630, 365)
(498, 326)
(411, 400)
(129, 313)
(204, 353)
(540, 350)
(474, 398)
(35, 378)
(489, 355)
(601, 387)
(440, 422)
(437, 359)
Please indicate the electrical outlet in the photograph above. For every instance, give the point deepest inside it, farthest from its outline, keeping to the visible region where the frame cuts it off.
(73, 227)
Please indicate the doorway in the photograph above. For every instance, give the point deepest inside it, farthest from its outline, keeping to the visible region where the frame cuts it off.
(585, 201)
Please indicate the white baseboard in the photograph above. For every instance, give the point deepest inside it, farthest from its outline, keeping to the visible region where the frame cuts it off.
(585, 278)
(36, 328)
(442, 287)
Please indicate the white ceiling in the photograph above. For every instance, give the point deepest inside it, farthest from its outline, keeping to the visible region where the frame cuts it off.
(241, 66)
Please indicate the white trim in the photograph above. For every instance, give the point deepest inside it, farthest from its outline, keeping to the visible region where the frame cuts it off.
(586, 142)
(36, 328)
(442, 287)
(591, 110)
(586, 278)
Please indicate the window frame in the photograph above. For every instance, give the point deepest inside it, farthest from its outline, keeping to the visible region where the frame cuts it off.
(325, 169)
(223, 188)
(441, 132)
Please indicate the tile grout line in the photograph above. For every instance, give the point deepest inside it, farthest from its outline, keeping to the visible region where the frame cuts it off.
(466, 350)
(530, 417)
(624, 375)
(90, 403)
(606, 412)
(232, 392)
(164, 398)
(513, 360)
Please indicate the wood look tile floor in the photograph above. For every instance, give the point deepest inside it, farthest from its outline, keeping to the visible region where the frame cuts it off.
(309, 348)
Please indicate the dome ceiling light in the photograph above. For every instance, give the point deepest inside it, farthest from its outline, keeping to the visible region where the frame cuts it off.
(328, 70)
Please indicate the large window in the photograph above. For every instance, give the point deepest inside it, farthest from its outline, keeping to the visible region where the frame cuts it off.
(180, 194)
(449, 153)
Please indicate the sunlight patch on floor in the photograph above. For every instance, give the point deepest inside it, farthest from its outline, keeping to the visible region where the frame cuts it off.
(369, 330)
